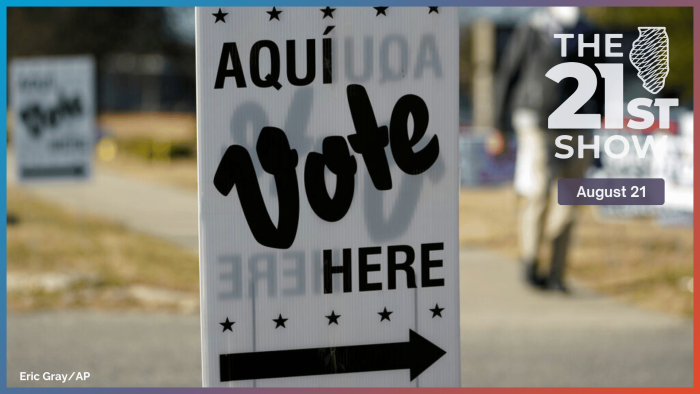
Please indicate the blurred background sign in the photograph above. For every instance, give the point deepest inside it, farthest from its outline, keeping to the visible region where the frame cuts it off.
(674, 163)
(53, 104)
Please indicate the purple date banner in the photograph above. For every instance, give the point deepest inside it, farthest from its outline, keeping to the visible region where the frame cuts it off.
(611, 191)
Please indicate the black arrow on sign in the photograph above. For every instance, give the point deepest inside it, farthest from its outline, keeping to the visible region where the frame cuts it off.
(417, 355)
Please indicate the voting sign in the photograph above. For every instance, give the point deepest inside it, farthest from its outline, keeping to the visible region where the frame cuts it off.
(328, 196)
(53, 105)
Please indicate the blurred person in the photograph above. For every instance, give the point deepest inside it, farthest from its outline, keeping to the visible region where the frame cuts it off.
(523, 92)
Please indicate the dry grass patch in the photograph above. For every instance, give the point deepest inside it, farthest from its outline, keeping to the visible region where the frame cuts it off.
(635, 260)
(157, 126)
(49, 240)
(181, 173)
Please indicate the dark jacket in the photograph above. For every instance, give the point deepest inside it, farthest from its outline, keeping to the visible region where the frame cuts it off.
(521, 82)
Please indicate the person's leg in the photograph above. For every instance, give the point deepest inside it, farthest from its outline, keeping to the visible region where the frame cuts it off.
(561, 222)
(531, 228)
(532, 174)
(560, 245)
(559, 227)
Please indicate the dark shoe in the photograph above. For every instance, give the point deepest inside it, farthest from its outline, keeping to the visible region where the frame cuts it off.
(557, 285)
(555, 281)
(532, 278)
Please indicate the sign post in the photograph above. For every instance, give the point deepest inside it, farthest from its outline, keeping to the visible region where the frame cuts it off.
(328, 184)
(53, 103)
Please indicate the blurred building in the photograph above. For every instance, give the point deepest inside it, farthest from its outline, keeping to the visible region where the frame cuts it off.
(145, 56)
(150, 82)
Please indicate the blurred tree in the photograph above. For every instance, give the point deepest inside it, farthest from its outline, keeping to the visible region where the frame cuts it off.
(679, 27)
(79, 30)
(465, 66)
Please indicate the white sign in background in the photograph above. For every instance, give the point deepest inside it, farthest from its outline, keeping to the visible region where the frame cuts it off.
(267, 318)
(53, 104)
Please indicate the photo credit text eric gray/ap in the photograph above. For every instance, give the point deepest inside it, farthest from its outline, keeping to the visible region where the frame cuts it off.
(56, 377)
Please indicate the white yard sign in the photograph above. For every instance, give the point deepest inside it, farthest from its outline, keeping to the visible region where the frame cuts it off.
(328, 186)
(53, 104)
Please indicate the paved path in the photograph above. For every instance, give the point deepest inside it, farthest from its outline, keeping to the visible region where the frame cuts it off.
(511, 336)
(162, 211)
(130, 350)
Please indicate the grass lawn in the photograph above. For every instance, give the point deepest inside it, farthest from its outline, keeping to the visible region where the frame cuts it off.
(180, 173)
(635, 260)
(108, 259)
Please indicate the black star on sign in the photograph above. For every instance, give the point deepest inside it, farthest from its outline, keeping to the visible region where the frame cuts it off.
(333, 318)
(220, 16)
(280, 322)
(381, 10)
(437, 311)
(274, 14)
(328, 11)
(433, 9)
(228, 325)
(385, 315)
